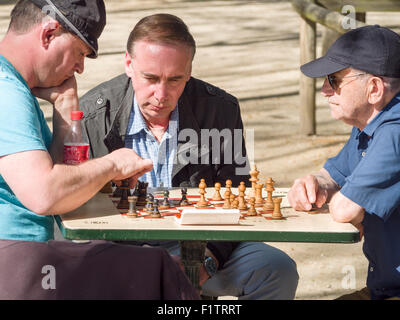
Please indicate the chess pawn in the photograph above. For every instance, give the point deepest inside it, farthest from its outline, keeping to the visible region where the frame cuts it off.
(235, 204)
(156, 213)
(184, 201)
(150, 204)
(252, 211)
(228, 185)
(132, 207)
(227, 203)
(242, 202)
(202, 202)
(217, 194)
(277, 208)
(165, 204)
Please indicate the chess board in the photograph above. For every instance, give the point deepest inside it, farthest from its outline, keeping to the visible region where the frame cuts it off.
(176, 209)
(100, 219)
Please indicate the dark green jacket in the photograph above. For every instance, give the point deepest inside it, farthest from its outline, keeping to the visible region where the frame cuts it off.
(107, 109)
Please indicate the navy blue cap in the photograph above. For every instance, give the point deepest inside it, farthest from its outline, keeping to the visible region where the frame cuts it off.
(372, 49)
(84, 18)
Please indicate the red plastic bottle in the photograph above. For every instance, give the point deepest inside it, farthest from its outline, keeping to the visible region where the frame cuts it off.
(76, 148)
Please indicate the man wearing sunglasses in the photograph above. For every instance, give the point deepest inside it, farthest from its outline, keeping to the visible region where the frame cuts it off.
(362, 183)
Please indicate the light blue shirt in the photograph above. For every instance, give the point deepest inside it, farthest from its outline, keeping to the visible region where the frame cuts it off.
(142, 141)
(22, 128)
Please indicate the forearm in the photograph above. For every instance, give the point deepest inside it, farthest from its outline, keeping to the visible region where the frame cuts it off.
(68, 187)
(327, 183)
(61, 125)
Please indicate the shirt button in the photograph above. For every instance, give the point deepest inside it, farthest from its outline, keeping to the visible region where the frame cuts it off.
(100, 101)
(363, 153)
(371, 269)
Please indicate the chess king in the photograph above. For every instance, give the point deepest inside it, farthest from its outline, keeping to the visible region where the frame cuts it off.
(154, 109)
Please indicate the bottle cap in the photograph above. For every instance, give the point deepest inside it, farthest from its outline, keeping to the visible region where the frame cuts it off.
(76, 115)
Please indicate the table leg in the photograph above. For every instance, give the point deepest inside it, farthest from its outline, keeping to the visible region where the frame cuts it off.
(192, 255)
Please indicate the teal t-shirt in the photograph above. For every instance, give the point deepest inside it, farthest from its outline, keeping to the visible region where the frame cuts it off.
(22, 128)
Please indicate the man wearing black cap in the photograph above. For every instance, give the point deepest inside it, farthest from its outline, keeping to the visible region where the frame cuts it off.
(46, 43)
(362, 183)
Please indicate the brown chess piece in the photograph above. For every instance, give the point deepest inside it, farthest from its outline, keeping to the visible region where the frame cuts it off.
(258, 196)
(235, 204)
(252, 210)
(132, 207)
(227, 203)
(217, 194)
(228, 185)
(242, 202)
(107, 188)
(277, 208)
(202, 202)
(123, 202)
(254, 179)
(269, 187)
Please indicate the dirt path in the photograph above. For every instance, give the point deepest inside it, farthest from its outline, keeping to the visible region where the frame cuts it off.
(251, 49)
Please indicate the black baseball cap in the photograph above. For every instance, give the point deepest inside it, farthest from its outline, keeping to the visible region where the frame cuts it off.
(373, 49)
(84, 18)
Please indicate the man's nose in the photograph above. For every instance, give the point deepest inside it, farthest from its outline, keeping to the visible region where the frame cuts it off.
(80, 66)
(326, 89)
(161, 92)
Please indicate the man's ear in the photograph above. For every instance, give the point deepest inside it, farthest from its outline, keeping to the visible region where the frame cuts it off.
(128, 65)
(48, 32)
(376, 90)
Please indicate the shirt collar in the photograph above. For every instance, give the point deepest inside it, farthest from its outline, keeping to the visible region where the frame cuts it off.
(385, 115)
(139, 124)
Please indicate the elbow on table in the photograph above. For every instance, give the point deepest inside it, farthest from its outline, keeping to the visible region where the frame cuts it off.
(340, 213)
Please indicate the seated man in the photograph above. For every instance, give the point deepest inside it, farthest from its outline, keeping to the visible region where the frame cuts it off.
(164, 114)
(31, 270)
(362, 183)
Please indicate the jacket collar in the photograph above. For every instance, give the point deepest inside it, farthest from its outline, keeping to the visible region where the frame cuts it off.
(115, 138)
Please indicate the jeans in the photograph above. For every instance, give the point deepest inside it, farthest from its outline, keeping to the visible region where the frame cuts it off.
(254, 271)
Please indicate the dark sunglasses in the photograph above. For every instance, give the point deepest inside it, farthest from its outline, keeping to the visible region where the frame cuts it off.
(335, 81)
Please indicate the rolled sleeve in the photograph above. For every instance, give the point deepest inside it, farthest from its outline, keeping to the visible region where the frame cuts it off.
(375, 182)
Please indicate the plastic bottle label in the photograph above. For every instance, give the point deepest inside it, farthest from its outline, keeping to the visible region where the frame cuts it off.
(76, 154)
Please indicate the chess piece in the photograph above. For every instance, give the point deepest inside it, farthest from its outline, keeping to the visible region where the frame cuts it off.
(107, 188)
(228, 185)
(156, 213)
(242, 202)
(258, 196)
(277, 208)
(117, 192)
(269, 205)
(165, 204)
(254, 179)
(132, 206)
(217, 194)
(184, 201)
(123, 202)
(227, 202)
(252, 210)
(202, 202)
(141, 192)
(149, 204)
(235, 204)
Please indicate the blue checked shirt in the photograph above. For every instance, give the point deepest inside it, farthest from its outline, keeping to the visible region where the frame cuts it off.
(141, 140)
